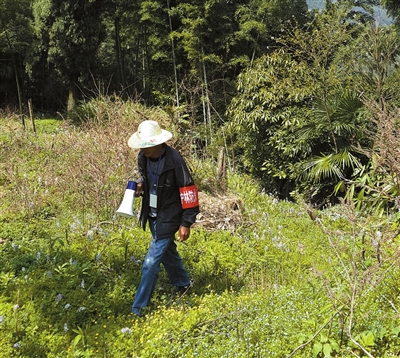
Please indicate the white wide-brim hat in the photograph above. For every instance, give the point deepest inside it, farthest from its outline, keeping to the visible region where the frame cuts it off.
(149, 134)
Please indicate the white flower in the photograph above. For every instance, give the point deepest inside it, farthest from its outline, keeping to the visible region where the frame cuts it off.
(90, 234)
(67, 306)
(126, 330)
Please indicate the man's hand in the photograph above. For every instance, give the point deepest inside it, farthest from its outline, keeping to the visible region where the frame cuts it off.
(183, 233)
(139, 189)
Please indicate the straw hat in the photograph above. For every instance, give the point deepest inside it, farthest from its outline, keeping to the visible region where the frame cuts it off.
(149, 134)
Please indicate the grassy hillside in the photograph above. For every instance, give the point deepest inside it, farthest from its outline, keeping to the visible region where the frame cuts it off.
(271, 278)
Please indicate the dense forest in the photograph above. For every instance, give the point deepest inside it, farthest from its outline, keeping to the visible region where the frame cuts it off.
(300, 98)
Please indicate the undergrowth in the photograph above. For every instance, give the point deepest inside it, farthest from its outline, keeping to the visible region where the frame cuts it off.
(277, 283)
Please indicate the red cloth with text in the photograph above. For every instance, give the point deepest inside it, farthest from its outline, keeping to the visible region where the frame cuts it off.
(189, 196)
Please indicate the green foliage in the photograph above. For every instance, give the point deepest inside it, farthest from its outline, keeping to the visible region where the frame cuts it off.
(276, 95)
(299, 120)
(393, 8)
(275, 284)
(264, 113)
(260, 21)
(376, 186)
(15, 26)
(336, 131)
(70, 35)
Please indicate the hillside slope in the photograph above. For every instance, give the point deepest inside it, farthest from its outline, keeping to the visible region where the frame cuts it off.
(271, 278)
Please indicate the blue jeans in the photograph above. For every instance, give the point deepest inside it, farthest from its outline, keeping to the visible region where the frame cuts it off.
(161, 251)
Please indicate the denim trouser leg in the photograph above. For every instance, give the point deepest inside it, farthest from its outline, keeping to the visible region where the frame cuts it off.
(173, 265)
(160, 251)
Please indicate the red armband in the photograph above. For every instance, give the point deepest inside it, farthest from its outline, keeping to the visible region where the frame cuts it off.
(189, 196)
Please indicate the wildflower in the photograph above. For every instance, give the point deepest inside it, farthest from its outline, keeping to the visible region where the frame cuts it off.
(16, 306)
(83, 284)
(65, 327)
(17, 345)
(126, 330)
(59, 297)
(1, 319)
(90, 234)
(98, 255)
(67, 306)
(82, 308)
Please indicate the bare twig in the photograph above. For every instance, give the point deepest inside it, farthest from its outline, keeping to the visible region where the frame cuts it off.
(301, 346)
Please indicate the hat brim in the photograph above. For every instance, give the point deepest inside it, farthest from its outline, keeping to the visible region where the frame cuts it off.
(136, 142)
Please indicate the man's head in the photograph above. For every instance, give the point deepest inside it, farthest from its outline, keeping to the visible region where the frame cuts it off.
(148, 135)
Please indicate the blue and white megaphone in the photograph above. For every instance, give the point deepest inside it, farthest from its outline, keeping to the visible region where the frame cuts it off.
(126, 207)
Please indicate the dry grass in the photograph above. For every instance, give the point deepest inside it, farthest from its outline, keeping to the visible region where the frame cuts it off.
(385, 153)
(87, 167)
(84, 169)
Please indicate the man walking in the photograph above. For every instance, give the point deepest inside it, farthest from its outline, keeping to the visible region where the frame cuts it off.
(169, 205)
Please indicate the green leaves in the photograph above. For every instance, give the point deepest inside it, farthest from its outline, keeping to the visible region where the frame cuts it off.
(325, 348)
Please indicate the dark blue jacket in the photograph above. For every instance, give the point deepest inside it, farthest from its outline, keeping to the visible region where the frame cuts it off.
(173, 176)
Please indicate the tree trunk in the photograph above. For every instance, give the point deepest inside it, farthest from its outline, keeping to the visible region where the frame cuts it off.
(208, 108)
(221, 169)
(173, 59)
(72, 97)
(18, 84)
(16, 75)
(120, 69)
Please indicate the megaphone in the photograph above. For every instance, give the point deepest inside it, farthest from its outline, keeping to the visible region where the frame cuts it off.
(126, 207)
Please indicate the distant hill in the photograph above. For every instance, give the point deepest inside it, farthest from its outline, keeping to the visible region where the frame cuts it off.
(380, 14)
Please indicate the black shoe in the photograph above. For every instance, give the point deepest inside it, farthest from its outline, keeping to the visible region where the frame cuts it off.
(181, 290)
(136, 315)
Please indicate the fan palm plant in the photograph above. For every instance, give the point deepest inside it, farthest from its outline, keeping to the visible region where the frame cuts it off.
(333, 136)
